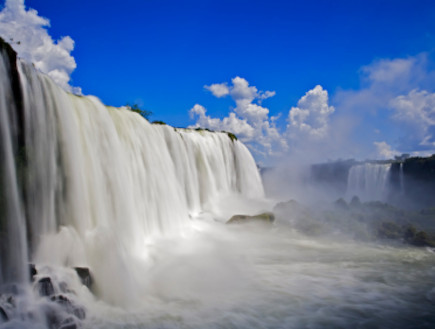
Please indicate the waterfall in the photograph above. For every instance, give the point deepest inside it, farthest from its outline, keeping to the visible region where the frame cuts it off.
(84, 184)
(368, 181)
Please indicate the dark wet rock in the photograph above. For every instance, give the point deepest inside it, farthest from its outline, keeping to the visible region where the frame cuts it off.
(69, 306)
(3, 314)
(355, 202)
(32, 271)
(266, 217)
(11, 301)
(45, 287)
(68, 323)
(341, 204)
(85, 276)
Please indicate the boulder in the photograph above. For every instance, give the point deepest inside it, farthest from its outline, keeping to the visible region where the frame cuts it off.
(32, 271)
(266, 217)
(69, 306)
(45, 286)
(3, 314)
(85, 276)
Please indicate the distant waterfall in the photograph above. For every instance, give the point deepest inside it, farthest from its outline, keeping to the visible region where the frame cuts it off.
(368, 181)
(86, 184)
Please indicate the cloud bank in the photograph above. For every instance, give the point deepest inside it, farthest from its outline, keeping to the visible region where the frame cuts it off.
(252, 123)
(392, 112)
(398, 96)
(27, 32)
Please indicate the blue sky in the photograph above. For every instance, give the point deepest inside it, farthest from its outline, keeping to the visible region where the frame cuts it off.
(373, 63)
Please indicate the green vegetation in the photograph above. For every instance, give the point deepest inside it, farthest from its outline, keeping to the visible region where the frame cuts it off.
(158, 122)
(204, 129)
(135, 108)
(231, 136)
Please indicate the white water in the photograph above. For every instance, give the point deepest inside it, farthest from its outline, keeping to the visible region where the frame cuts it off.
(102, 184)
(143, 207)
(368, 181)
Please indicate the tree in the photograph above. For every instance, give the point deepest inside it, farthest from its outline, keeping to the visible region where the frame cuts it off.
(135, 108)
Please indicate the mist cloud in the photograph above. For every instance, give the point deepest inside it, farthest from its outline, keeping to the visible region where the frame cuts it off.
(27, 32)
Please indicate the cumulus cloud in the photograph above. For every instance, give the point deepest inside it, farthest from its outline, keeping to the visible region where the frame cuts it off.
(218, 89)
(27, 33)
(231, 123)
(396, 98)
(311, 116)
(248, 120)
(383, 150)
(416, 112)
(390, 70)
(308, 123)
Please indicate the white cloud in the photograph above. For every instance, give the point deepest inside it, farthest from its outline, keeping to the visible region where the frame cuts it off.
(248, 120)
(218, 89)
(384, 151)
(266, 94)
(416, 112)
(307, 129)
(396, 100)
(240, 127)
(27, 33)
(311, 117)
(390, 70)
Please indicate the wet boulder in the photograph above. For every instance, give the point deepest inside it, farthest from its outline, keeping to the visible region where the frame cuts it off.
(266, 218)
(45, 286)
(68, 323)
(85, 276)
(68, 306)
(3, 314)
(32, 271)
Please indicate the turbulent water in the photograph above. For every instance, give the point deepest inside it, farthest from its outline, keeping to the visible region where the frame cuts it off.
(143, 207)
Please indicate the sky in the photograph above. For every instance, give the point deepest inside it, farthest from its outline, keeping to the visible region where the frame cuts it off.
(311, 80)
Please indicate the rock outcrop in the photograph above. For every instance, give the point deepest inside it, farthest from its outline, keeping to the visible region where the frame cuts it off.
(265, 218)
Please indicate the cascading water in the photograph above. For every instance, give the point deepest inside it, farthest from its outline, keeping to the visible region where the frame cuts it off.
(82, 184)
(368, 181)
(88, 178)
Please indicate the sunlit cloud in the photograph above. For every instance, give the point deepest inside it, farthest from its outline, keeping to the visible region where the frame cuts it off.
(249, 120)
(396, 95)
(384, 150)
(27, 32)
(310, 119)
